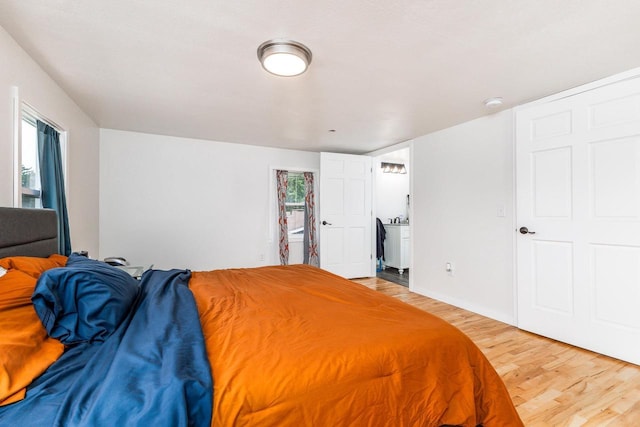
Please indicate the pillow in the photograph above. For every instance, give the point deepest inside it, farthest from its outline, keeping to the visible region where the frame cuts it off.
(25, 349)
(33, 266)
(85, 301)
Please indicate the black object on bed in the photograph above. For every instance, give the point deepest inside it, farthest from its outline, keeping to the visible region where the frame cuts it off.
(32, 232)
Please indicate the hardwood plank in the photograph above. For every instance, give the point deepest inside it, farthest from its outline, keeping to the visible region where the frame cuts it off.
(551, 383)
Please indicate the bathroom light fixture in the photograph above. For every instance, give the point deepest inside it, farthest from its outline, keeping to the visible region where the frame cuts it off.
(393, 168)
(493, 102)
(284, 57)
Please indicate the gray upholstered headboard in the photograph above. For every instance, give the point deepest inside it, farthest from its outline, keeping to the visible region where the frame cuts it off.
(28, 232)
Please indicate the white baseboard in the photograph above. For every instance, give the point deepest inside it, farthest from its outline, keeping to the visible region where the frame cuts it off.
(469, 306)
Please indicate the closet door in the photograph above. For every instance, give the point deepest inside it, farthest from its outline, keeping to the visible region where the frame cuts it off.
(578, 219)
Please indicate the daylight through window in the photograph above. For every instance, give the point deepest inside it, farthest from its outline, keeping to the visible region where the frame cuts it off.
(29, 168)
(295, 204)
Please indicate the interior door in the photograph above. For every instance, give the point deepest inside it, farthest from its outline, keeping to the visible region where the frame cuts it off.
(346, 214)
(578, 199)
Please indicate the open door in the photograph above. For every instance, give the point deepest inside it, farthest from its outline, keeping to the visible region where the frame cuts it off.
(345, 215)
(578, 195)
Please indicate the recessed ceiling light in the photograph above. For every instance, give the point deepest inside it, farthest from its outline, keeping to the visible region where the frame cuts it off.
(284, 57)
(493, 102)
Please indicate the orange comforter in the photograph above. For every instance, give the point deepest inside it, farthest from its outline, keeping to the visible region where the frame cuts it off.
(25, 349)
(298, 346)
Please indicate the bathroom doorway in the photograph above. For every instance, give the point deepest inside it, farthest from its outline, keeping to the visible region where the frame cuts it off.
(392, 208)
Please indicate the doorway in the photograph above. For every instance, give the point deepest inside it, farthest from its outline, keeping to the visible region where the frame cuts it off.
(392, 207)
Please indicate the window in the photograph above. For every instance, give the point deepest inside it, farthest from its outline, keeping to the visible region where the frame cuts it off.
(40, 150)
(295, 204)
(295, 217)
(29, 167)
(28, 186)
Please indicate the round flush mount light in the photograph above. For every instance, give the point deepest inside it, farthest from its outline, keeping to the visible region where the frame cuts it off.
(284, 57)
(493, 102)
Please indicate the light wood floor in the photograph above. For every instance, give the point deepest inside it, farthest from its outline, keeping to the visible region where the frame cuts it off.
(551, 383)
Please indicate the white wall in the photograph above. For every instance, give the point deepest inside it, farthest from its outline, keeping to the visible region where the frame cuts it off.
(41, 92)
(461, 176)
(391, 189)
(186, 203)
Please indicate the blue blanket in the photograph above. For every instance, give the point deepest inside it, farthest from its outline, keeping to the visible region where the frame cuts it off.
(152, 371)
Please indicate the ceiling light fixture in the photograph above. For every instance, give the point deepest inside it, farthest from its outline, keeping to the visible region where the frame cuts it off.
(493, 102)
(284, 57)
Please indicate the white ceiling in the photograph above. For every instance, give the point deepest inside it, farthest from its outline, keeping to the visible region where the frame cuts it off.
(383, 71)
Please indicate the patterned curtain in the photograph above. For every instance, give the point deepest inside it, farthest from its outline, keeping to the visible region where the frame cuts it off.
(310, 240)
(282, 217)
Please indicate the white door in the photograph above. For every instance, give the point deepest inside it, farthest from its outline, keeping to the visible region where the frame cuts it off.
(345, 214)
(578, 195)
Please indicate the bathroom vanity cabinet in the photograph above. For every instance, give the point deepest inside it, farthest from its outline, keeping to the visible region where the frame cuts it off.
(396, 246)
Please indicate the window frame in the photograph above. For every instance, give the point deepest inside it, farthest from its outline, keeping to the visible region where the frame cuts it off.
(24, 111)
(272, 239)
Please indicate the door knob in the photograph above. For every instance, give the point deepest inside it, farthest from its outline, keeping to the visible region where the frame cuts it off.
(525, 230)
(326, 223)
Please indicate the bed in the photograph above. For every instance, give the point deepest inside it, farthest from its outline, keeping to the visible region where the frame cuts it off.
(267, 346)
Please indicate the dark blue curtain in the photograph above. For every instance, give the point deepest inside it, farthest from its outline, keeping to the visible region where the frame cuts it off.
(52, 182)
